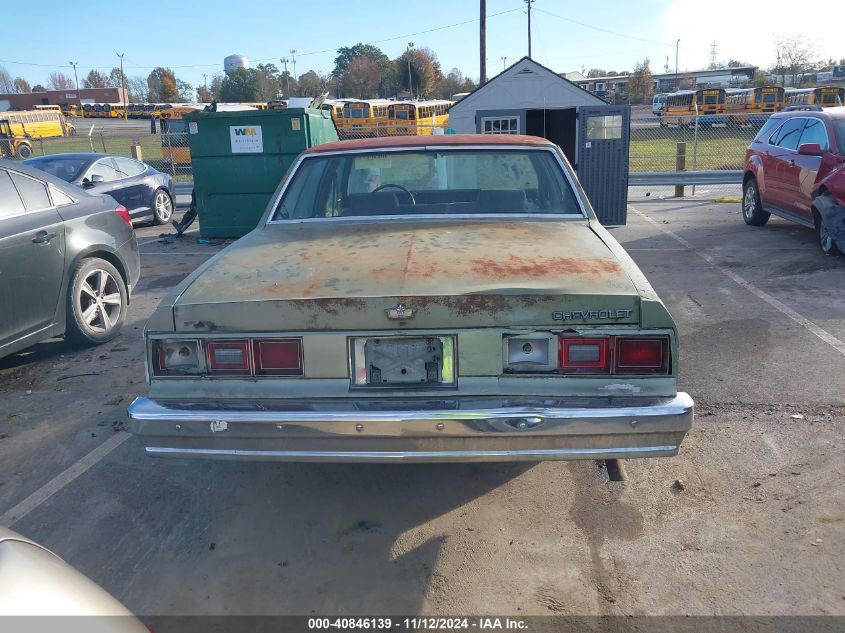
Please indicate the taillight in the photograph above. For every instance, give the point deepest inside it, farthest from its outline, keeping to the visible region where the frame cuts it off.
(640, 355)
(123, 213)
(229, 357)
(277, 357)
(584, 355)
(177, 357)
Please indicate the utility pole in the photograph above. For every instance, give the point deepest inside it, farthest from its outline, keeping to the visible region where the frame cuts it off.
(504, 62)
(205, 85)
(410, 84)
(122, 86)
(677, 85)
(482, 34)
(529, 3)
(284, 61)
(293, 61)
(76, 82)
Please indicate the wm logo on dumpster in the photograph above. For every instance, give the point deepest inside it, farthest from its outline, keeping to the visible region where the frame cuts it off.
(245, 131)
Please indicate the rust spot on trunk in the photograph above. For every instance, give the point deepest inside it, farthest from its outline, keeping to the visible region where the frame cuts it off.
(515, 266)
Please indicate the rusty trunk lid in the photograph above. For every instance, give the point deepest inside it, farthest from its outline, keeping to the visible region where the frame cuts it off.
(333, 275)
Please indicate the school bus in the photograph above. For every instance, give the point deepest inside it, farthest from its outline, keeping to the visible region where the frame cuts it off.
(417, 117)
(19, 129)
(174, 132)
(820, 96)
(753, 106)
(686, 107)
(56, 108)
(355, 118)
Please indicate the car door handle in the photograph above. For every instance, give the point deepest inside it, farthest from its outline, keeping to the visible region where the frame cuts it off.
(43, 237)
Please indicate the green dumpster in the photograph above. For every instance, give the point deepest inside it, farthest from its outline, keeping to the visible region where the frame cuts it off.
(239, 158)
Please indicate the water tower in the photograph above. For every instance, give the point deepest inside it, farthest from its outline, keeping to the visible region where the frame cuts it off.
(235, 61)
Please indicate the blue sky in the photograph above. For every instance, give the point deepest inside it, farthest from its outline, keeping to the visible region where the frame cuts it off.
(193, 38)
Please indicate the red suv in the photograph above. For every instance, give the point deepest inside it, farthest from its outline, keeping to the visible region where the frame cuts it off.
(795, 169)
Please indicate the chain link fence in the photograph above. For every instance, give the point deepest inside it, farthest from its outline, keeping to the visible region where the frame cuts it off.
(658, 145)
(352, 132)
(167, 152)
(673, 143)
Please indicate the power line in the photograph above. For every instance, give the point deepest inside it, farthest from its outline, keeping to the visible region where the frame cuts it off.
(264, 59)
(603, 30)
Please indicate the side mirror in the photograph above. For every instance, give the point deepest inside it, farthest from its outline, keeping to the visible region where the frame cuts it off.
(810, 149)
(87, 184)
(97, 178)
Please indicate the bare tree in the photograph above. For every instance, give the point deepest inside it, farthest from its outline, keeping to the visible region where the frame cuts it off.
(60, 81)
(793, 58)
(138, 89)
(7, 85)
(22, 85)
(641, 84)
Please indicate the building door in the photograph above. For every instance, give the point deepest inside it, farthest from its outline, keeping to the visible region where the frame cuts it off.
(604, 134)
(559, 125)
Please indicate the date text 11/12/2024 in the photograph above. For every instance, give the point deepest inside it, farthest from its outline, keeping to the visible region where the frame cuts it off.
(416, 624)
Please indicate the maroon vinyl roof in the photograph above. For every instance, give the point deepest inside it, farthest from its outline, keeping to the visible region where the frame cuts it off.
(510, 140)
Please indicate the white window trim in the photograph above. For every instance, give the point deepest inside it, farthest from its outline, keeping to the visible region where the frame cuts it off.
(500, 118)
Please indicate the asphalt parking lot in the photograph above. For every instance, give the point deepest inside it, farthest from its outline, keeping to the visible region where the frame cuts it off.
(748, 519)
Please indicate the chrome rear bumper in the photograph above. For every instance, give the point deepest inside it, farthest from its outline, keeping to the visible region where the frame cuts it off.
(465, 429)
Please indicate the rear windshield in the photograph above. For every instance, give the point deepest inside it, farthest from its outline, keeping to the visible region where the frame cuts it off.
(432, 182)
(67, 169)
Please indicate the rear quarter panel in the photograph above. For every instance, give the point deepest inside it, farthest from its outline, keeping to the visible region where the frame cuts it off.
(92, 228)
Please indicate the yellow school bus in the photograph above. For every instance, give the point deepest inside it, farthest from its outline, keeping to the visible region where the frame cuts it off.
(174, 132)
(417, 117)
(361, 117)
(686, 107)
(825, 96)
(753, 106)
(19, 129)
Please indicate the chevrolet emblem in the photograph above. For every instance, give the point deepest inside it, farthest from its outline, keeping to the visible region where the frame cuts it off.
(400, 313)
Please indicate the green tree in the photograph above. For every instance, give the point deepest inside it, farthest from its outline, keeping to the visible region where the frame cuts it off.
(269, 81)
(162, 86)
(641, 84)
(345, 56)
(185, 90)
(114, 79)
(215, 86)
(239, 85)
(95, 79)
(39, 88)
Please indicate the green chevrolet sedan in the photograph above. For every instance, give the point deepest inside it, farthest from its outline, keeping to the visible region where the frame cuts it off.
(417, 299)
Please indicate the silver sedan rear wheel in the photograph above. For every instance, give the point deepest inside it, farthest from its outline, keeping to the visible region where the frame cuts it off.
(97, 302)
(163, 207)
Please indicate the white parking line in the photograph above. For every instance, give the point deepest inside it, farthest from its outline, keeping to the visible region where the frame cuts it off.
(62, 479)
(811, 327)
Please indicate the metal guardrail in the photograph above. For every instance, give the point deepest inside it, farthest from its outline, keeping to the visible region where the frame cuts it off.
(708, 177)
